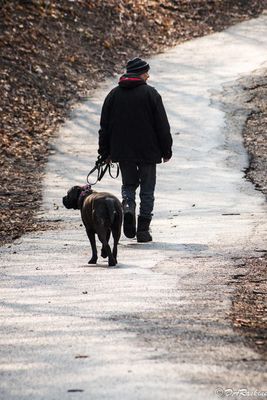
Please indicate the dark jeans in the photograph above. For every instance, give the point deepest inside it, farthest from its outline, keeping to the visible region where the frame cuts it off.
(143, 175)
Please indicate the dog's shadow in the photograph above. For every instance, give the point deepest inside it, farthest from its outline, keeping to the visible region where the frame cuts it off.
(101, 265)
(162, 246)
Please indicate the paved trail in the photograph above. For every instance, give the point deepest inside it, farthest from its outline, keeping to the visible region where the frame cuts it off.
(155, 326)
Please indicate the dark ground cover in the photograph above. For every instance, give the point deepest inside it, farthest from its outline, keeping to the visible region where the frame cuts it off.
(249, 308)
(249, 303)
(53, 53)
(255, 130)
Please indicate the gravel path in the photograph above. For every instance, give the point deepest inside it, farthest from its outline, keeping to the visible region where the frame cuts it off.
(155, 326)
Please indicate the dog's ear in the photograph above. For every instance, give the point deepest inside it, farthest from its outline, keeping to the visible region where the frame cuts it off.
(74, 196)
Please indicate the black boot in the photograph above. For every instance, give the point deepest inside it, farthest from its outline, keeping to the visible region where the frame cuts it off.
(143, 235)
(129, 220)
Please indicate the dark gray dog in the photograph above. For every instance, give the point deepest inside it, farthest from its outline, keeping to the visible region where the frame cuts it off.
(101, 214)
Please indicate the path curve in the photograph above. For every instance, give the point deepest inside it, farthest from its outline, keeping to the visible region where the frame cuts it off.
(155, 326)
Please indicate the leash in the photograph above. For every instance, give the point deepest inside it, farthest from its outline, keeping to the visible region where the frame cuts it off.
(102, 167)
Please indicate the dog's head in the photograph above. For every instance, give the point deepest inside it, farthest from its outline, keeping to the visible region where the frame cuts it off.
(72, 197)
(75, 195)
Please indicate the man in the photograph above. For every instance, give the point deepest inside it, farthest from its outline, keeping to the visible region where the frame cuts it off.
(135, 132)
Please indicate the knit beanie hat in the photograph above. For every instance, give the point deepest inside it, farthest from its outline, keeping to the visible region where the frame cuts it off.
(137, 66)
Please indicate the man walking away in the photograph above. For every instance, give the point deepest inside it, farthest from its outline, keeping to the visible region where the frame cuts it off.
(134, 131)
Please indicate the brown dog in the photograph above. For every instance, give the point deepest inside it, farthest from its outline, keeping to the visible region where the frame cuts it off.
(101, 214)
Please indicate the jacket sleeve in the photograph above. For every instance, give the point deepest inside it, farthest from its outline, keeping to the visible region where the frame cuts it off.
(162, 127)
(103, 138)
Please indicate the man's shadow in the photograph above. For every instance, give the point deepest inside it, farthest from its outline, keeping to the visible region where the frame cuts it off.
(194, 247)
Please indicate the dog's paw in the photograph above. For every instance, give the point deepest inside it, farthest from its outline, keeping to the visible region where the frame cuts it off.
(104, 253)
(112, 262)
(92, 261)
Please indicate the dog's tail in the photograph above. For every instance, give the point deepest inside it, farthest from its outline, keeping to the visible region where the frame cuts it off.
(111, 210)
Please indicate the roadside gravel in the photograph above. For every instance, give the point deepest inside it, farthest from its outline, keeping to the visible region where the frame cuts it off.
(249, 308)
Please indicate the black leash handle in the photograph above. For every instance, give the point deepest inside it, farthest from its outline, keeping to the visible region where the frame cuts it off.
(112, 165)
(101, 167)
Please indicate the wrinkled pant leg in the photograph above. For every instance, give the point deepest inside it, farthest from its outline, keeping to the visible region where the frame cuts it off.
(130, 180)
(147, 174)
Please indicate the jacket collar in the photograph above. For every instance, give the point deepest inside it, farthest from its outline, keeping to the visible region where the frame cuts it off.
(131, 81)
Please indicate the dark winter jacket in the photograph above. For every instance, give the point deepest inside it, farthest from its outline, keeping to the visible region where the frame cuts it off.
(134, 124)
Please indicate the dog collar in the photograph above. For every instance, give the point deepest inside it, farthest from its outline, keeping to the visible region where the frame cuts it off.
(86, 190)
